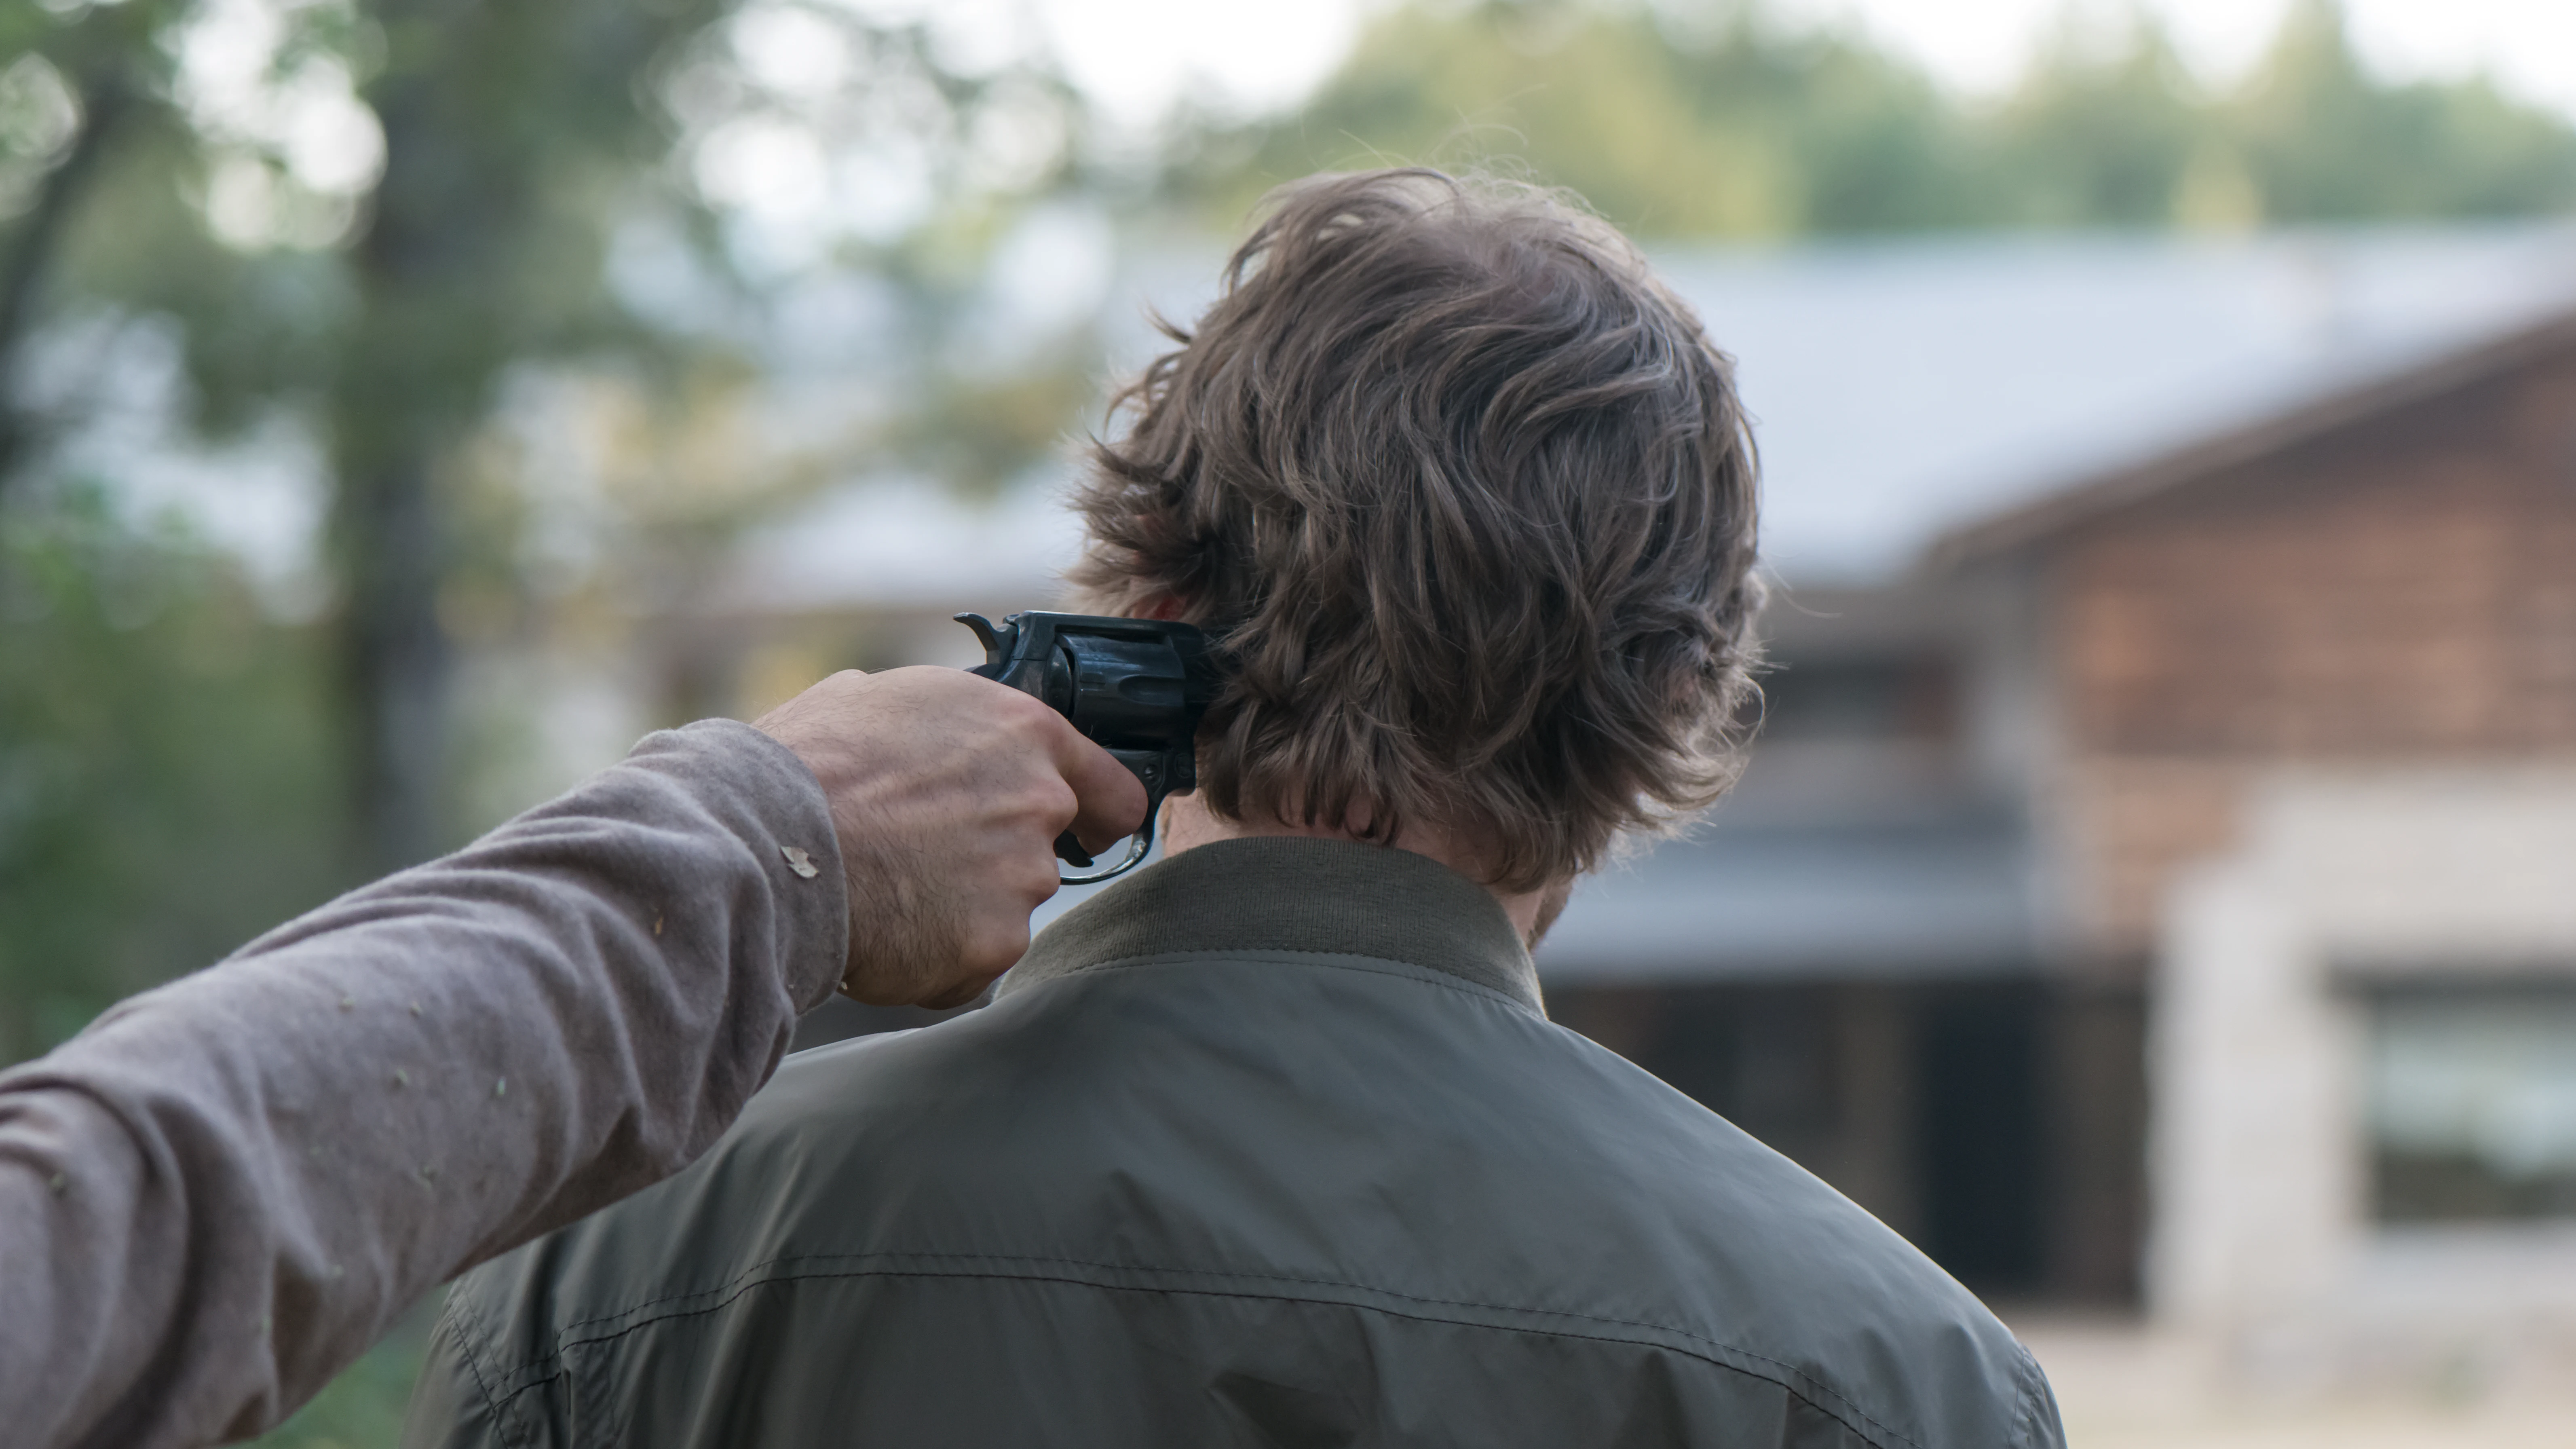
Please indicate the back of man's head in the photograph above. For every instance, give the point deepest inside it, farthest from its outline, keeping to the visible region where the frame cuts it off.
(1469, 498)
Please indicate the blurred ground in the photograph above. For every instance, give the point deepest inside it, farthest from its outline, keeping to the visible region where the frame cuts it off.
(2122, 1385)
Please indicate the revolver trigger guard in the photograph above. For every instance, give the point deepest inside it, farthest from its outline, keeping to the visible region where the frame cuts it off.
(1137, 845)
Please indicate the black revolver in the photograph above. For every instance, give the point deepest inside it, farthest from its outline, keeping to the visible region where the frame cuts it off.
(1135, 687)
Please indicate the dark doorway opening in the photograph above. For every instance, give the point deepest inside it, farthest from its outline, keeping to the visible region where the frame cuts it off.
(1979, 1136)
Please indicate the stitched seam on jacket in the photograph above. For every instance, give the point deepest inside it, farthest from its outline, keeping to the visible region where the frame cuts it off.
(1791, 1377)
(470, 1328)
(2033, 1430)
(1329, 960)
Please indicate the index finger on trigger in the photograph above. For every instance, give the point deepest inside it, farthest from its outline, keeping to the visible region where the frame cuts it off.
(1109, 801)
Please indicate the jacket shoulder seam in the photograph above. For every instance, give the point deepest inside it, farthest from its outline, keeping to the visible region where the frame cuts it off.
(464, 1329)
(2034, 1426)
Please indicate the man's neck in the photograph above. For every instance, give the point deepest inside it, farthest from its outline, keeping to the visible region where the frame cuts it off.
(1188, 823)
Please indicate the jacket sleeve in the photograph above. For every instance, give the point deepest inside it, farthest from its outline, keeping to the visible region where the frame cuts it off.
(224, 1189)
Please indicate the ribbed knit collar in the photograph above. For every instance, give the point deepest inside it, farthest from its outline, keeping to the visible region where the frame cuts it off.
(1291, 893)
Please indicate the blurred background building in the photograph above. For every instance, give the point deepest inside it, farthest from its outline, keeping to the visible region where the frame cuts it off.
(2154, 887)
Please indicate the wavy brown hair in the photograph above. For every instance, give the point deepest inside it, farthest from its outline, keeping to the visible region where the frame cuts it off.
(1468, 496)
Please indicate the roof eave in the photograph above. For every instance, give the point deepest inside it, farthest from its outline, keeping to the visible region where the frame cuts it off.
(2100, 494)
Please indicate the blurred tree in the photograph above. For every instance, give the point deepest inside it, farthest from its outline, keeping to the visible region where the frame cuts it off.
(1705, 118)
(157, 801)
(1722, 124)
(2102, 129)
(67, 91)
(2324, 140)
(372, 213)
(367, 229)
(477, 245)
(484, 247)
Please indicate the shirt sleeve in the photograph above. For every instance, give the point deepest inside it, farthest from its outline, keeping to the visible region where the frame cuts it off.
(225, 1189)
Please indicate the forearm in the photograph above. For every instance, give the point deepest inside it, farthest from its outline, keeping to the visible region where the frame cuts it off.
(221, 1192)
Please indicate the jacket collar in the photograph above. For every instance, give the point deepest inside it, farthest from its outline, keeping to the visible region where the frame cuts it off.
(1290, 893)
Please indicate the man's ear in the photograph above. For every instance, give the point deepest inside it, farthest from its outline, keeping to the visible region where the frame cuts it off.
(1160, 607)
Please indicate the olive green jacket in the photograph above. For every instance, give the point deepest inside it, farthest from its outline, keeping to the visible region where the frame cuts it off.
(1271, 1144)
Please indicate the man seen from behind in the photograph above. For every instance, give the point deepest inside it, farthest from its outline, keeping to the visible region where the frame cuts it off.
(1272, 1143)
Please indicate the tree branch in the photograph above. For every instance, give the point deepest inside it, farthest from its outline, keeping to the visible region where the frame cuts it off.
(105, 98)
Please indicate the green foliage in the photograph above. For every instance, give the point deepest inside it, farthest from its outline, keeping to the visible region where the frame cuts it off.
(159, 803)
(1742, 131)
(2323, 140)
(2099, 134)
(1716, 122)
(363, 1408)
(380, 316)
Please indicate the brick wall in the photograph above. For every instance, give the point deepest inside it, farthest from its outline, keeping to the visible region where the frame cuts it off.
(2403, 590)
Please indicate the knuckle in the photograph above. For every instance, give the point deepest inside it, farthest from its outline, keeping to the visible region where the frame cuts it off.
(1037, 720)
(1024, 709)
(1038, 884)
(1055, 800)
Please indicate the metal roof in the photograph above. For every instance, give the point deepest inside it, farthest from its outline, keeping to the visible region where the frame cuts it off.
(1903, 390)
(1945, 897)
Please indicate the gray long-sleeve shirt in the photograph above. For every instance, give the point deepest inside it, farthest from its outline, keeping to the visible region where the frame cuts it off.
(222, 1191)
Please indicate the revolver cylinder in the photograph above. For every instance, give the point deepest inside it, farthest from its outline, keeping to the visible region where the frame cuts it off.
(1135, 687)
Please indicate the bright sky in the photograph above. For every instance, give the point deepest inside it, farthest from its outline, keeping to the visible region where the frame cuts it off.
(1138, 56)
